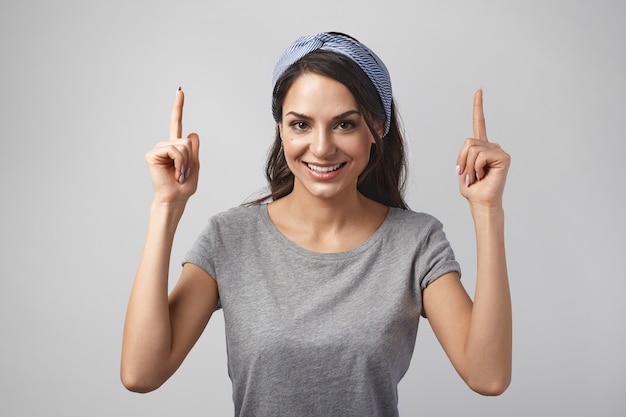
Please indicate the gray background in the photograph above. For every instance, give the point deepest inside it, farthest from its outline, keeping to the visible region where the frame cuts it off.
(87, 89)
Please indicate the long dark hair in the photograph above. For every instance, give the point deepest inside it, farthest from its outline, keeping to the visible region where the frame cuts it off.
(383, 180)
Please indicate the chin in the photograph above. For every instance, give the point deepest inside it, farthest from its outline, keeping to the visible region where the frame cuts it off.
(326, 191)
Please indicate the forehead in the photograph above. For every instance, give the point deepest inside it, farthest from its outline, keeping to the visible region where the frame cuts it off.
(312, 93)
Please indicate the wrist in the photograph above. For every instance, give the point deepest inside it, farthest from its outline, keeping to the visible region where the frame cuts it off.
(486, 210)
(487, 217)
(166, 213)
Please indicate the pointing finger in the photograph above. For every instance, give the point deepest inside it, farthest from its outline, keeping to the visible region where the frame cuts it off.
(478, 117)
(176, 119)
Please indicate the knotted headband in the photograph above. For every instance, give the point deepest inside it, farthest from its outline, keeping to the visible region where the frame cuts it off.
(369, 62)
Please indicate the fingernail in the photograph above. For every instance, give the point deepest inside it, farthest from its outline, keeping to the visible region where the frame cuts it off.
(187, 172)
(182, 170)
(467, 180)
(477, 177)
(458, 170)
(180, 88)
(181, 179)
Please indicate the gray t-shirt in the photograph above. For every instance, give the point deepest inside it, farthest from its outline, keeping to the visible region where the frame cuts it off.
(312, 334)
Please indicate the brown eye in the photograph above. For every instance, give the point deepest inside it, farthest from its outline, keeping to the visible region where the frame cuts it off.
(345, 125)
(299, 125)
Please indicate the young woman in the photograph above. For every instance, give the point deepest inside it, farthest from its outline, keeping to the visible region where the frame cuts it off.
(322, 283)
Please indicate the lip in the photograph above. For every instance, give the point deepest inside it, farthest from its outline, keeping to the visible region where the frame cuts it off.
(323, 174)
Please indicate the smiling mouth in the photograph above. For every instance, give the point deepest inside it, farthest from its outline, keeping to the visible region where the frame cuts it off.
(324, 169)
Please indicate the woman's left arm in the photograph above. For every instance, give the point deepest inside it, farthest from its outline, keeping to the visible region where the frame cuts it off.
(477, 336)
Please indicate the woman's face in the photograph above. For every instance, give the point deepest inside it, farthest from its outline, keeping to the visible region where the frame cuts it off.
(326, 140)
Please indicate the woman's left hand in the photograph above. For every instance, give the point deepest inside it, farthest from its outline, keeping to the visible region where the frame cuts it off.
(482, 166)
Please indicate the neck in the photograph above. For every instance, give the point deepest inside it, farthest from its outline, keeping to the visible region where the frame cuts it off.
(325, 212)
(327, 225)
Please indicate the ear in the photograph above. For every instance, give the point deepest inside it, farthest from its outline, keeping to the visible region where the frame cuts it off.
(379, 126)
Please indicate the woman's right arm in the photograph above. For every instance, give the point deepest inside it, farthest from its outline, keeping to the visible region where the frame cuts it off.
(160, 329)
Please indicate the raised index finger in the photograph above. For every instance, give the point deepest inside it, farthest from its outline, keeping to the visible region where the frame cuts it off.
(478, 117)
(176, 119)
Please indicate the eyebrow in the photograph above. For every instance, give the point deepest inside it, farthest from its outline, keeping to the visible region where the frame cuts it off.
(337, 117)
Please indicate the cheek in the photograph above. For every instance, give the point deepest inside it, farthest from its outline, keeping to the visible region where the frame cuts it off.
(362, 148)
(292, 149)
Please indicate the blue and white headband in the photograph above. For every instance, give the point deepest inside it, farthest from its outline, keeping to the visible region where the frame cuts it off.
(369, 62)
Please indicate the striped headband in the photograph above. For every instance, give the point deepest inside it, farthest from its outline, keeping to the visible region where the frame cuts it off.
(369, 62)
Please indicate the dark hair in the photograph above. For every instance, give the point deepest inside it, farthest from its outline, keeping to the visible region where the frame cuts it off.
(383, 179)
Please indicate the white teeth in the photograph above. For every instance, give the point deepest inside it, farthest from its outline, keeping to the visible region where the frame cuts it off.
(324, 169)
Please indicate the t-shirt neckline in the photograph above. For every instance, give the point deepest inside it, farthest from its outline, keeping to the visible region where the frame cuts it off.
(358, 250)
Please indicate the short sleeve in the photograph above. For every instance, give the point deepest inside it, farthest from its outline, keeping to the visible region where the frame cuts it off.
(436, 257)
(202, 252)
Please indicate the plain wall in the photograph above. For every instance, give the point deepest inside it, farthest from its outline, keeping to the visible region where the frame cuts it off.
(87, 87)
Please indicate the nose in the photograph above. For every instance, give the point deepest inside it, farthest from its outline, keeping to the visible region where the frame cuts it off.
(322, 143)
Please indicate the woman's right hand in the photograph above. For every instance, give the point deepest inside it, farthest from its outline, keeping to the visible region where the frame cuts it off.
(174, 165)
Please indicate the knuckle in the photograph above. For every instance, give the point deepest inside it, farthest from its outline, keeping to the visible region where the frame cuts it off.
(473, 151)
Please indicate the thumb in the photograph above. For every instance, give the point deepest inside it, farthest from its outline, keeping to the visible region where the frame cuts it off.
(195, 147)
